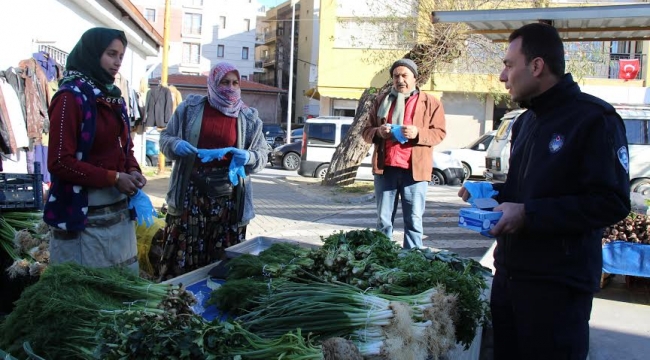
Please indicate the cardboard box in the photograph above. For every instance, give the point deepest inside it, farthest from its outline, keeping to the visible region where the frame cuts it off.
(478, 219)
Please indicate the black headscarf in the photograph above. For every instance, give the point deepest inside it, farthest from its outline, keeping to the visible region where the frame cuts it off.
(86, 56)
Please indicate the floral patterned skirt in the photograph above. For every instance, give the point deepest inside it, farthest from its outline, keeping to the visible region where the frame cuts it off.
(199, 236)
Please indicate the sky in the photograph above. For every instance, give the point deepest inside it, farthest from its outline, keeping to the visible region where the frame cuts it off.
(271, 3)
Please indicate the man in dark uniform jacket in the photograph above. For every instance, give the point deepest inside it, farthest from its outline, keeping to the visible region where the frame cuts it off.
(568, 180)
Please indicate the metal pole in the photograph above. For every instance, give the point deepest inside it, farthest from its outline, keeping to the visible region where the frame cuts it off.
(165, 69)
(289, 100)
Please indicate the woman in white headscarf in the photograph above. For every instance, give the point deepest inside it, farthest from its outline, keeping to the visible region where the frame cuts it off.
(210, 196)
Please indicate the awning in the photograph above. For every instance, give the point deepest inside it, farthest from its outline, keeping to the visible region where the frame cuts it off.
(335, 93)
(587, 23)
(340, 93)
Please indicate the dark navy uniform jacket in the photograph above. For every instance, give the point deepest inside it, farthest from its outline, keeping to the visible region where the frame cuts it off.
(569, 166)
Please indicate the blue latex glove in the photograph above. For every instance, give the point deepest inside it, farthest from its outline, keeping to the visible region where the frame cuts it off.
(240, 156)
(479, 189)
(396, 130)
(144, 210)
(234, 171)
(183, 148)
(213, 154)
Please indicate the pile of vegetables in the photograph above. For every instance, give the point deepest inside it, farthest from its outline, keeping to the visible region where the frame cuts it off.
(365, 259)
(79, 312)
(634, 228)
(24, 237)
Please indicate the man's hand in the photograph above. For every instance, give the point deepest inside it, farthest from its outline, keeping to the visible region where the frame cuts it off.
(410, 131)
(512, 220)
(384, 131)
(463, 194)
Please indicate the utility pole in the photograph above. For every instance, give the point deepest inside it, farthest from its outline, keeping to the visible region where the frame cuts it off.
(289, 101)
(165, 68)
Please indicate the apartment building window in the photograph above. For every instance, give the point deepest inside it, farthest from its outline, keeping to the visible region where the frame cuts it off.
(244, 77)
(220, 50)
(247, 25)
(150, 15)
(192, 23)
(244, 53)
(191, 53)
(222, 22)
(194, 2)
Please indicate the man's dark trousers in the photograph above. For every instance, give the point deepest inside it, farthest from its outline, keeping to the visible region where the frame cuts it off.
(539, 320)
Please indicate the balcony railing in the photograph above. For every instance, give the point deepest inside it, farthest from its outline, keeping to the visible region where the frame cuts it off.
(268, 60)
(600, 65)
(264, 38)
(58, 55)
(583, 64)
(615, 65)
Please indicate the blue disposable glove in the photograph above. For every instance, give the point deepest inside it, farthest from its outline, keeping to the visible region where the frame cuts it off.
(479, 189)
(213, 154)
(234, 171)
(396, 130)
(183, 148)
(240, 156)
(144, 210)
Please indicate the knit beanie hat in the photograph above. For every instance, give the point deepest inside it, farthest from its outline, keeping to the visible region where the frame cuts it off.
(407, 63)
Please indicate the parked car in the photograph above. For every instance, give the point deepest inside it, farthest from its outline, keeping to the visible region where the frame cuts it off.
(152, 137)
(296, 134)
(287, 156)
(274, 134)
(472, 156)
(323, 134)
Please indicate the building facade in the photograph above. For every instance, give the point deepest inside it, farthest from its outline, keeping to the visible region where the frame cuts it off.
(273, 50)
(206, 32)
(354, 53)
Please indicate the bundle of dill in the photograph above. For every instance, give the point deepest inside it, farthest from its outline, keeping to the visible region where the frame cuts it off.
(57, 313)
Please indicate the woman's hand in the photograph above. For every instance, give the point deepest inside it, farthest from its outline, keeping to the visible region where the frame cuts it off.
(141, 181)
(127, 184)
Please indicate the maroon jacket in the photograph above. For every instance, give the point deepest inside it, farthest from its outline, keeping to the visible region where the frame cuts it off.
(106, 156)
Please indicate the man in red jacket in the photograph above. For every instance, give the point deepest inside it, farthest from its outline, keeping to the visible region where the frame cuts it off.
(404, 125)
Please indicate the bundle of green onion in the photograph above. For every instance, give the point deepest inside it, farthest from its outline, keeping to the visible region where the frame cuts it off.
(378, 326)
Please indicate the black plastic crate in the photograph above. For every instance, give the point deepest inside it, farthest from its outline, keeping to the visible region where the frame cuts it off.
(22, 191)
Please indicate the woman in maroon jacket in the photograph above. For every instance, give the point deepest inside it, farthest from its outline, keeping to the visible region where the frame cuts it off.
(91, 160)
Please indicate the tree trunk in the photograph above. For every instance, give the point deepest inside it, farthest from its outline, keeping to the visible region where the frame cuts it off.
(352, 149)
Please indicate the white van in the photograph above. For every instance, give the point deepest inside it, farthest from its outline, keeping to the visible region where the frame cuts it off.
(497, 156)
(637, 128)
(323, 134)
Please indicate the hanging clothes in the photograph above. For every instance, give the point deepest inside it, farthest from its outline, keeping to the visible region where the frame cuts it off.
(122, 83)
(177, 97)
(36, 101)
(158, 107)
(15, 115)
(47, 64)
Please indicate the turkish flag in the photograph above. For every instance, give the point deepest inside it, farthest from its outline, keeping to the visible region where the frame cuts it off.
(628, 68)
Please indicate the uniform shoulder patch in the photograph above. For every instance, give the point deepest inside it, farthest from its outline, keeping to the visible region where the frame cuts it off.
(624, 158)
(556, 143)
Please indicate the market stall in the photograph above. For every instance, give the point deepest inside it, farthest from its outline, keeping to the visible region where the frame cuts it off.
(626, 244)
(357, 292)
